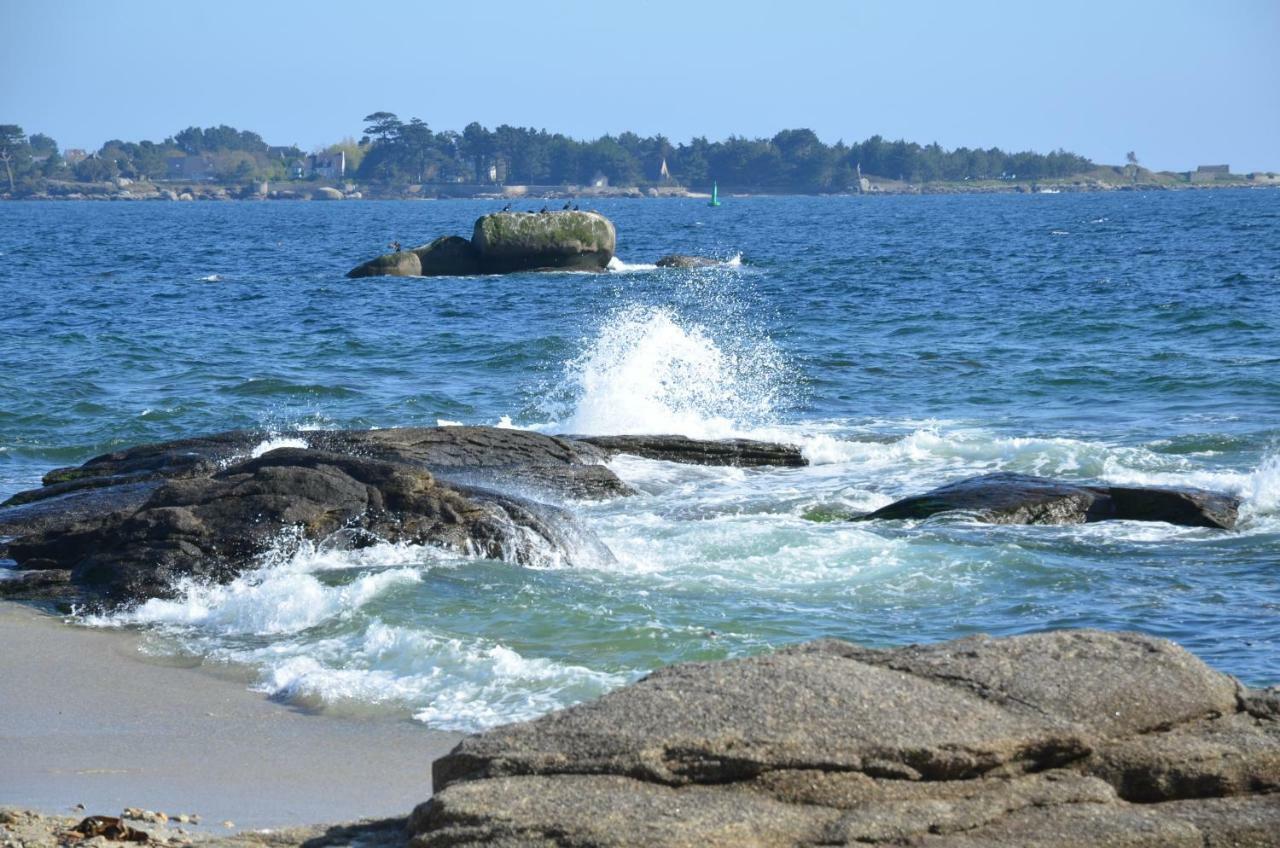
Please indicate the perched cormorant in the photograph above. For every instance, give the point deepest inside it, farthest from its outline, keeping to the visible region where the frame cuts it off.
(575, 207)
(507, 208)
(567, 204)
(544, 209)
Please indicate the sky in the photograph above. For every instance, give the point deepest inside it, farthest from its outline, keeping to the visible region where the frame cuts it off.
(1179, 83)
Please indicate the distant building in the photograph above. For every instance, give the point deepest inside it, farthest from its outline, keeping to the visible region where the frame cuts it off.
(73, 155)
(1209, 173)
(329, 166)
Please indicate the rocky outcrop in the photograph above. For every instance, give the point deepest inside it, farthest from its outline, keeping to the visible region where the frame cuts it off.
(326, 193)
(743, 453)
(212, 527)
(680, 260)
(403, 263)
(126, 525)
(1057, 739)
(1022, 499)
(448, 256)
(505, 242)
(527, 241)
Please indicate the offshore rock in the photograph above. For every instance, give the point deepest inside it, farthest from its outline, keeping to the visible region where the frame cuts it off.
(1055, 739)
(744, 453)
(524, 241)
(127, 524)
(404, 263)
(679, 260)
(1005, 498)
(447, 256)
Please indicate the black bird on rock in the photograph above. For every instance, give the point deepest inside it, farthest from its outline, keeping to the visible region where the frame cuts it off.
(567, 204)
(507, 208)
(542, 210)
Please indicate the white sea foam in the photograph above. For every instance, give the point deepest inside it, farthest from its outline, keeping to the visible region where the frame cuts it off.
(277, 442)
(618, 266)
(450, 682)
(282, 597)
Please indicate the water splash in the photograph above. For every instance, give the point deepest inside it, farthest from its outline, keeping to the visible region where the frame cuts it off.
(650, 371)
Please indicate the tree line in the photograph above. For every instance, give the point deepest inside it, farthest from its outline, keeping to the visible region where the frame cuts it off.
(396, 152)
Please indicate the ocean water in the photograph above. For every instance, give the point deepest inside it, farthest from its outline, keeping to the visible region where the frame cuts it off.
(903, 341)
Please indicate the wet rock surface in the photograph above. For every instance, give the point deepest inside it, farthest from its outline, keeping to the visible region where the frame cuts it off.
(743, 453)
(1023, 499)
(680, 260)
(127, 525)
(1062, 739)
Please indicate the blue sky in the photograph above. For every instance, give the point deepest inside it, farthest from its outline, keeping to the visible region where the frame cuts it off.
(1180, 83)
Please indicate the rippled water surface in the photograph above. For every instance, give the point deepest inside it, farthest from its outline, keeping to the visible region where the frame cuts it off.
(903, 341)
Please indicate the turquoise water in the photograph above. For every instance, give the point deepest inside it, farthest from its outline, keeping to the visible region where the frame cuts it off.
(903, 341)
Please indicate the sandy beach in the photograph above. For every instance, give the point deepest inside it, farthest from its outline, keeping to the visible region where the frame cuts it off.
(87, 719)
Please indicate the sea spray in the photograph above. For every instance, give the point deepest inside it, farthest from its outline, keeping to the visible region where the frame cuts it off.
(648, 370)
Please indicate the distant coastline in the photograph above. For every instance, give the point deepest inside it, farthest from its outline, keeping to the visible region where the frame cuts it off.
(394, 159)
(124, 189)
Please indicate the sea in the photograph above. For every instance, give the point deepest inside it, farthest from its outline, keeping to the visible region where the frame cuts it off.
(902, 341)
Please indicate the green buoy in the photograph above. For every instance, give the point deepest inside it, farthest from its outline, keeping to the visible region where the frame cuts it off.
(715, 195)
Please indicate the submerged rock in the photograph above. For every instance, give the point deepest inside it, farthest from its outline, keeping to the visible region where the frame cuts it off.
(736, 452)
(524, 241)
(679, 260)
(1005, 498)
(1056, 739)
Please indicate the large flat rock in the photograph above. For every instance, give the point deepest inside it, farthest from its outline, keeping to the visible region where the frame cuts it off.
(1055, 739)
(742, 453)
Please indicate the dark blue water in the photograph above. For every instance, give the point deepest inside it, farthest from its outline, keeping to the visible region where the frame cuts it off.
(904, 341)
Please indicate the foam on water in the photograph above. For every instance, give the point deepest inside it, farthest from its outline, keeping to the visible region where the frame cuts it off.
(618, 266)
(448, 682)
(283, 596)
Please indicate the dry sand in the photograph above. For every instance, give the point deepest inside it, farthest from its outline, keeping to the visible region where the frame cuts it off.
(86, 719)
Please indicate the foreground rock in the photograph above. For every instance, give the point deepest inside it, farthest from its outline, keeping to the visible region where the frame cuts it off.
(1022, 499)
(735, 452)
(505, 242)
(1060, 739)
(127, 525)
(19, 827)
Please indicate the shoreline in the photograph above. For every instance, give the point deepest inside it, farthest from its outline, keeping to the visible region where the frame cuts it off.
(233, 193)
(86, 719)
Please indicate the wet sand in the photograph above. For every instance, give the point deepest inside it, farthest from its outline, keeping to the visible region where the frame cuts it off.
(86, 719)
